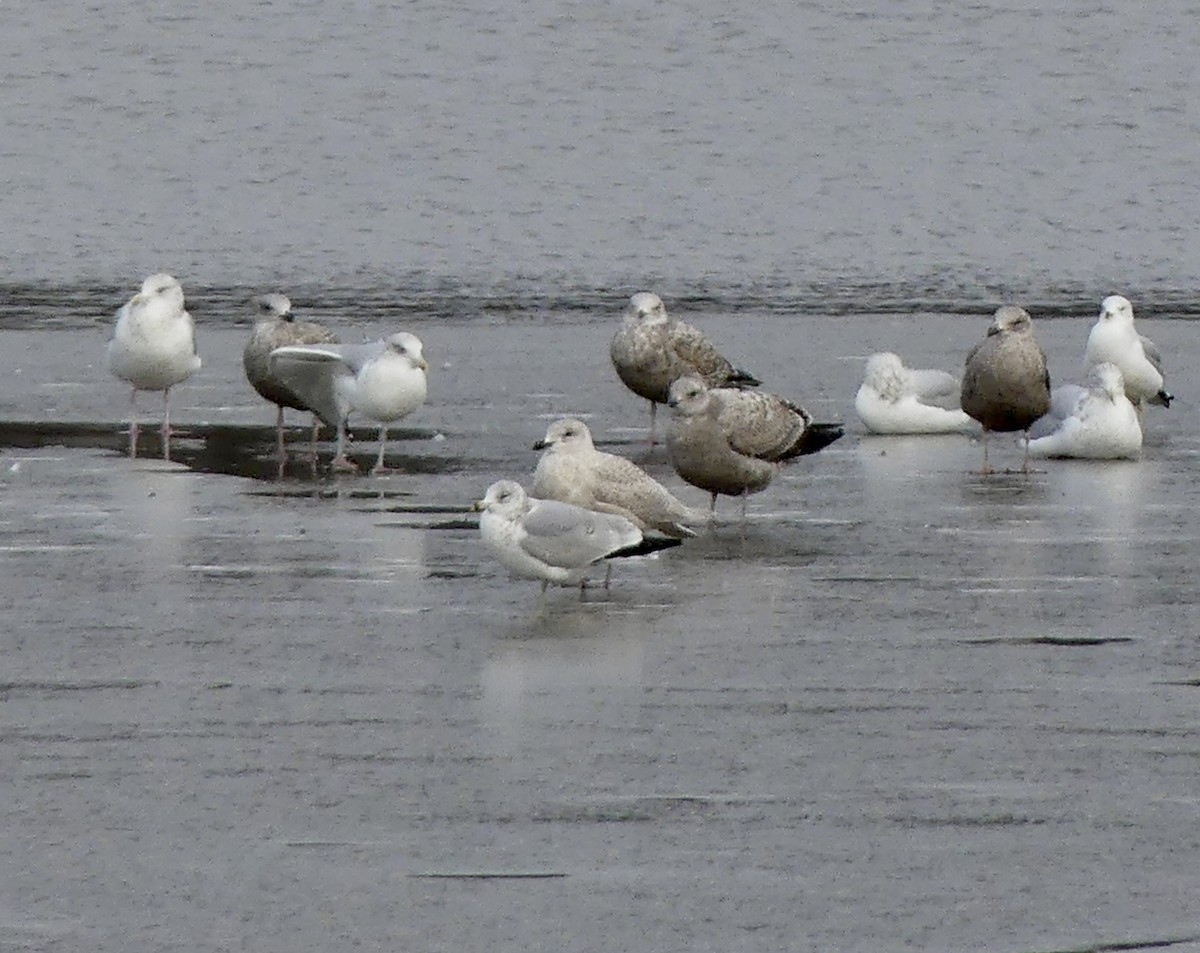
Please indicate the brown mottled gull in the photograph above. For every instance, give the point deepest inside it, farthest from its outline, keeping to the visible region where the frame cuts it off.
(730, 442)
(572, 470)
(1006, 385)
(278, 327)
(652, 350)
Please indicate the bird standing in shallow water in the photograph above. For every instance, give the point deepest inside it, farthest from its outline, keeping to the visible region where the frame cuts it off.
(552, 541)
(1006, 385)
(153, 347)
(652, 350)
(277, 327)
(384, 381)
(731, 442)
(572, 470)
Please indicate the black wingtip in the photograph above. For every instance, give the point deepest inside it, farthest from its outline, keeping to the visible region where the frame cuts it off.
(818, 437)
(740, 378)
(650, 544)
(1162, 398)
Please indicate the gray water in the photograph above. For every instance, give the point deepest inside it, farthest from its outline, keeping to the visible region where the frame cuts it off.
(1032, 150)
(903, 707)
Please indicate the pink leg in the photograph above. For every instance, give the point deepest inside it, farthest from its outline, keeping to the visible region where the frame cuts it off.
(379, 467)
(341, 462)
(133, 426)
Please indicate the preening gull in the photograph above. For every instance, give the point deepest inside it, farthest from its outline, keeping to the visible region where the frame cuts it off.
(894, 399)
(552, 541)
(1098, 422)
(1006, 385)
(1114, 339)
(572, 470)
(277, 327)
(731, 442)
(153, 348)
(652, 350)
(384, 381)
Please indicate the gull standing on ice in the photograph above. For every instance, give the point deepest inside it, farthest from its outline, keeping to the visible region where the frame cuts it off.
(277, 327)
(894, 399)
(1006, 385)
(384, 381)
(552, 541)
(1114, 339)
(1098, 422)
(573, 471)
(732, 441)
(652, 350)
(153, 348)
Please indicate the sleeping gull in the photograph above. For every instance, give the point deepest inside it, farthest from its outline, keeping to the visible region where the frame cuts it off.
(1005, 385)
(1114, 339)
(277, 327)
(894, 399)
(572, 470)
(153, 348)
(652, 350)
(1098, 422)
(732, 441)
(384, 381)
(552, 541)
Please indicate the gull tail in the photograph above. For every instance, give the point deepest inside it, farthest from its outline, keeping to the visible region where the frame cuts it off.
(1162, 398)
(651, 544)
(817, 437)
(739, 378)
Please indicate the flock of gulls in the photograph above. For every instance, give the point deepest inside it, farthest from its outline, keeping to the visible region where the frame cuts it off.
(725, 435)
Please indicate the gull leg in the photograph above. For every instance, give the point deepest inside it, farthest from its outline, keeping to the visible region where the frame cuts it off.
(653, 412)
(312, 450)
(342, 463)
(166, 425)
(379, 467)
(133, 424)
(986, 471)
(1025, 463)
(280, 452)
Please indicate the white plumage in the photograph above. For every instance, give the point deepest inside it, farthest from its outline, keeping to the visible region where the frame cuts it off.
(1097, 422)
(1114, 339)
(894, 399)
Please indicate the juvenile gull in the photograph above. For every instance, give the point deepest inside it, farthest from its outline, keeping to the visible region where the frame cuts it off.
(153, 348)
(384, 381)
(277, 327)
(652, 350)
(572, 470)
(731, 441)
(1006, 385)
(552, 541)
(894, 399)
(1098, 422)
(1114, 339)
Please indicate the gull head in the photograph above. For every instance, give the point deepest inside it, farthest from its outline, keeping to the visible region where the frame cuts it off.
(504, 498)
(274, 306)
(1011, 319)
(161, 287)
(408, 346)
(1107, 379)
(646, 309)
(688, 396)
(1116, 309)
(885, 374)
(566, 435)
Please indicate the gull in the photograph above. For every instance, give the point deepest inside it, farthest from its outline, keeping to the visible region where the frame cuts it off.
(153, 348)
(552, 541)
(277, 327)
(572, 470)
(1097, 422)
(652, 350)
(894, 399)
(732, 441)
(1114, 339)
(1006, 385)
(384, 381)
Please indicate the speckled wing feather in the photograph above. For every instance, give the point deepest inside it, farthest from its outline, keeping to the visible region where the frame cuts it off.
(761, 425)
